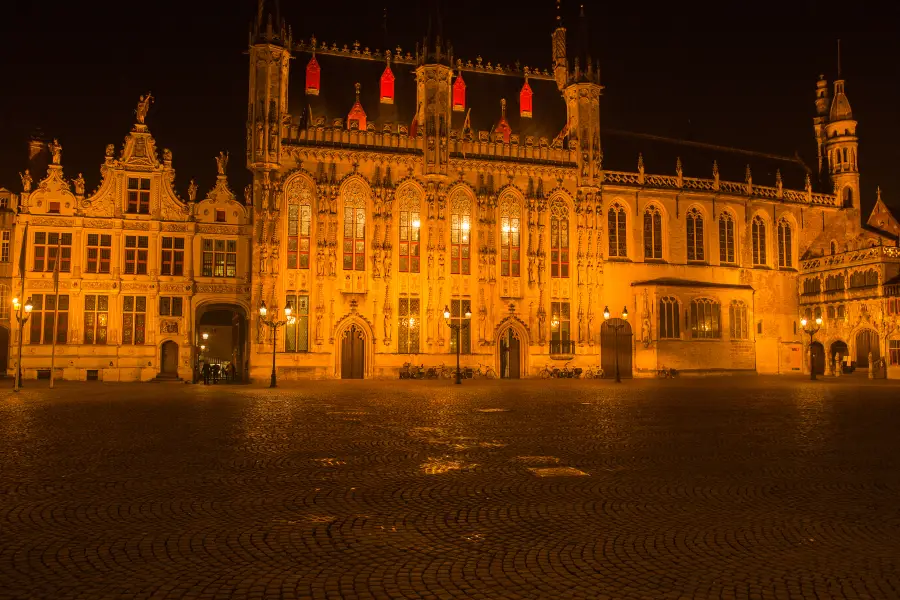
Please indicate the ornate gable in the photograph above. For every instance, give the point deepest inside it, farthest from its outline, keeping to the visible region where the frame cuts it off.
(53, 195)
(882, 218)
(220, 205)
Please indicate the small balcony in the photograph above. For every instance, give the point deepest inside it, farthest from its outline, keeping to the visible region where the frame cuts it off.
(562, 349)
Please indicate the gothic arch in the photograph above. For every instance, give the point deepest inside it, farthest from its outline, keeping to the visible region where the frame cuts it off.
(563, 196)
(340, 328)
(293, 183)
(355, 187)
(521, 331)
(402, 190)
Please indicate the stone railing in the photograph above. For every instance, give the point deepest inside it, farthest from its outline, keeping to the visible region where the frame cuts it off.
(874, 254)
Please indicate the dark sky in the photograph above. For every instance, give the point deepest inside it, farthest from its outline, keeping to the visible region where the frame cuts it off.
(732, 73)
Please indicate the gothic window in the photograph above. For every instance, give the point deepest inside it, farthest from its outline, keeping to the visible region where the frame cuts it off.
(669, 325)
(830, 312)
(99, 253)
(833, 248)
(408, 327)
(817, 314)
(705, 319)
(560, 322)
(458, 309)
(695, 235)
(136, 248)
(834, 283)
(134, 319)
(299, 227)
(46, 245)
(785, 249)
(296, 334)
(410, 227)
(862, 279)
(354, 228)
(138, 195)
(840, 311)
(652, 233)
(812, 286)
(96, 317)
(737, 317)
(617, 232)
(510, 236)
(460, 231)
(49, 317)
(848, 196)
(726, 238)
(758, 235)
(559, 239)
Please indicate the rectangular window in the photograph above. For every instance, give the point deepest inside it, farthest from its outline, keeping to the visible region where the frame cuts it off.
(408, 334)
(296, 336)
(220, 216)
(509, 246)
(172, 262)
(669, 319)
(299, 240)
(171, 306)
(726, 238)
(49, 316)
(705, 319)
(134, 319)
(560, 328)
(354, 238)
(46, 246)
(4, 246)
(894, 350)
(139, 195)
(99, 253)
(96, 316)
(136, 254)
(458, 309)
(559, 247)
(409, 241)
(53, 208)
(219, 258)
(460, 248)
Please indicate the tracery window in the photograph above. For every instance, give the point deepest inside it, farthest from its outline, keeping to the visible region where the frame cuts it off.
(559, 239)
(510, 240)
(296, 334)
(96, 318)
(861, 279)
(299, 227)
(458, 309)
(726, 238)
(460, 228)
(409, 231)
(669, 325)
(737, 317)
(812, 286)
(758, 235)
(785, 249)
(652, 233)
(834, 283)
(354, 228)
(409, 326)
(705, 319)
(134, 319)
(617, 232)
(695, 235)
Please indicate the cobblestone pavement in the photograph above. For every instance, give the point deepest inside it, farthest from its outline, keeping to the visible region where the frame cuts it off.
(715, 488)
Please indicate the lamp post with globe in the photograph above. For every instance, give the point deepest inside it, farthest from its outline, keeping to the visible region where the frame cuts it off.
(457, 327)
(22, 314)
(275, 324)
(811, 328)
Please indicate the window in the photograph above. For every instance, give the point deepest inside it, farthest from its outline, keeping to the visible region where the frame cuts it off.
(4, 301)
(695, 235)
(840, 312)
(408, 334)
(458, 309)
(758, 235)
(817, 314)
(669, 326)
(219, 258)
(172, 256)
(812, 286)
(862, 279)
(53, 207)
(834, 283)
(409, 231)
(171, 306)
(139, 195)
(893, 306)
(134, 319)
(96, 316)
(49, 314)
(4, 246)
(220, 216)
(559, 239)
(652, 233)
(833, 248)
(296, 336)
(830, 312)
(726, 238)
(460, 226)
(354, 233)
(99, 253)
(785, 249)
(618, 235)
(705, 319)
(299, 235)
(46, 245)
(894, 351)
(136, 254)
(510, 245)
(560, 315)
(737, 316)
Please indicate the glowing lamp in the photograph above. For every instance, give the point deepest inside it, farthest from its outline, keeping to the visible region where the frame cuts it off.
(412, 321)
(416, 224)
(468, 314)
(262, 309)
(606, 312)
(465, 226)
(818, 320)
(205, 335)
(28, 306)
(16, 303)
(446, 312)
(288, 310)
(625, 313)
(803, 322)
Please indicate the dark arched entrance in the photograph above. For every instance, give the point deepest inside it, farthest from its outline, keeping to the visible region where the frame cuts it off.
(226, 341)
(510, 355)
(353, 353)
(608, 345)
(818, 358)
(169, 359)
(866, 342)
(837, 352)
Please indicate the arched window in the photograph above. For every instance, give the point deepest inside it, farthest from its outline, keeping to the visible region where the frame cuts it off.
(355, 227)
(510, 240)
(758, 233)
(834, 283)
(705, 319)
(817, 314)
(460, 233)
(737, 316)
(618, 234)
(848, 196)
(833, 248)
(669, 319)
(812, 286)
(840, 312)
(726, 238)
(830, 312)
(695, 235)
(862, 279)
(785, 248)
(299, 225)
(409, 230)
(652, 233)
(559, 238)
(4, 301)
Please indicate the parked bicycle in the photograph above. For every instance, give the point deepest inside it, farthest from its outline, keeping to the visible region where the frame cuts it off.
(411, 371)
(484, 372)
(666, 373)
(593, 372)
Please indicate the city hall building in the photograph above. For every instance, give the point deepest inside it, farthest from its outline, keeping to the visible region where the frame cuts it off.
(390, 185)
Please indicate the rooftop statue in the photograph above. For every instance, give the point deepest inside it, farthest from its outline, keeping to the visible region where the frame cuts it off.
(142, 107)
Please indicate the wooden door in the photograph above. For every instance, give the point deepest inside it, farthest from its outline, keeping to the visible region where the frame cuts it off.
(818, 358)
(608, 345)
(510, 356)
(170, 358)
(866, 341)
(353, 359)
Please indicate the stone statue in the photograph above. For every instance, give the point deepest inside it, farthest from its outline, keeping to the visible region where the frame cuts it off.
(167, 155)
(26, 181)
(318, 327)
(222, 162)
(248, 195)
(110, 150)
(542, 319)
(387, 328)
(376, 260)
(192, 191)
(79, 185)
(143, 107)
(320, 261)
(530, 269)
(332, 262)
(387, 265)
(273, 137)
(55, 152)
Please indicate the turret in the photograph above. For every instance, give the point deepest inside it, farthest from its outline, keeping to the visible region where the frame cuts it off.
(434, 59)
(560, 63)
(841, 145)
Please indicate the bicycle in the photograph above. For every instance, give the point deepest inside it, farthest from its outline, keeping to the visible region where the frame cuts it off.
(666, 373)
(484, 371)
(593, 372)
(550, 372)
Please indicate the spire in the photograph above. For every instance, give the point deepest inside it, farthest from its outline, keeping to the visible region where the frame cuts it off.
(357, 113)
(503, 126)
(269, 27)
(840, 106)
(435, 49)
(560, 62)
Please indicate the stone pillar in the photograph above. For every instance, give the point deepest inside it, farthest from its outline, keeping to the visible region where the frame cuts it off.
(871, 367)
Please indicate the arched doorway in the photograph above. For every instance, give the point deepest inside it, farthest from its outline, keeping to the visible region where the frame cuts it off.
(225, 326)
(353, 352)
(510, 355)
(609, 344)
(837, 352)
(818, 358)
(169, 359)
(866, 342)
(4, 350)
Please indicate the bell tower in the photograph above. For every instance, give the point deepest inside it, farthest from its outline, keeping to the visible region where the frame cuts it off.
(434, 74)
(840, 145)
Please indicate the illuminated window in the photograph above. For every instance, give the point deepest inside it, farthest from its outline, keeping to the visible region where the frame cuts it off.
(134, 319)
(46, 245)
(785, 253)
(354, 230)
(99, 253)
(458, 309)
(296, 336)
(705, 319)
(172, 262)
(49, 310)
(618, 235)
(894, 351)
(136, 254)
(726, 238)
(559, 239)
(758, 235)
(510, 241)
(560, 322)
(737, 317)
(695, 235)
(410, 226)
(299, 232)
(669, 319)
(652, 233)
(460, 233)
(138, 195)
(408, 326)
(219, 258)
(96, 317)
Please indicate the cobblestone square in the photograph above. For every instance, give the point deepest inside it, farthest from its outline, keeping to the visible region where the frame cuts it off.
(689, 488)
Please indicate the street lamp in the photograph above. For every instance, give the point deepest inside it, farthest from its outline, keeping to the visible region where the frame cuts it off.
(22, 314)
(811, 329)
(616, 325)
(274, 324)
(202, 347)
(463, 324)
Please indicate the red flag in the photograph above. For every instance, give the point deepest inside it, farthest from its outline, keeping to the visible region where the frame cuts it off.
(414, 126)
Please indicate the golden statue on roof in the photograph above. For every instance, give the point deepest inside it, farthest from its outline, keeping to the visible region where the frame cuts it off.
(143, 107)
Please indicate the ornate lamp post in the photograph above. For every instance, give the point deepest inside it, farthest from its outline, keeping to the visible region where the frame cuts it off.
(274, 324)
(811, 329)
(202, 347)
(616, 326)
(22, 314)
(463, 324)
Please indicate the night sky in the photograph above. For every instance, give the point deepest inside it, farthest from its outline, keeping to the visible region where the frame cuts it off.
(734, 73)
